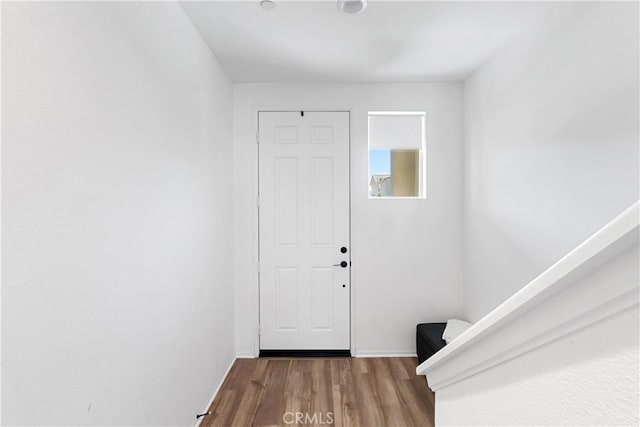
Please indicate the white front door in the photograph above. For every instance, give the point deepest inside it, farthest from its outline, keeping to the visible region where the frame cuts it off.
(304, 230)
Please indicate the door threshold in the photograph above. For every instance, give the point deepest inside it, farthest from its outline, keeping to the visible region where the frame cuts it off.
(305, 353)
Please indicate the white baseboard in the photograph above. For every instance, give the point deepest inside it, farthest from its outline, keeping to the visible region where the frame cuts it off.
(372, 353)
(386, 354)
(245, 356)
(215, 392)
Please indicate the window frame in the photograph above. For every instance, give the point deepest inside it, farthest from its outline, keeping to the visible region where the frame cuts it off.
(422, 155)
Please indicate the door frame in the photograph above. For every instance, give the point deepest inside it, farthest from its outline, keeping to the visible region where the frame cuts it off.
(256, 287)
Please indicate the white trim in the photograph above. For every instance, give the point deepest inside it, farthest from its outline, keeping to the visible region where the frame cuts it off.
(535, 316)
(422, 188)
(256, 109)
(397, 113)
(396, 198)
(245, 356)
(386, 354)
(215, 392)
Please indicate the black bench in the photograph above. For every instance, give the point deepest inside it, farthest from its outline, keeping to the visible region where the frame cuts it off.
(429, 339)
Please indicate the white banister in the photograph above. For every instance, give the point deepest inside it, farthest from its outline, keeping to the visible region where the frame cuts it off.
(596, 280)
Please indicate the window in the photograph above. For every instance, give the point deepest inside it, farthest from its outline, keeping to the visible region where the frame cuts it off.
(397, 154)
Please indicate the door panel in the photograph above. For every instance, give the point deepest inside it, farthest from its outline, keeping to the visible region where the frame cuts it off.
(286, 298)
(322, 296)
(286, 201)
(322, 201)
(304, 221)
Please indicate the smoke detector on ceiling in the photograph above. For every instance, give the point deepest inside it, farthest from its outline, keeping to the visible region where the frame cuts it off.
(352, 7)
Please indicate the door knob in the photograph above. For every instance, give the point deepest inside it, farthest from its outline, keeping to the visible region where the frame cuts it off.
(343, 264)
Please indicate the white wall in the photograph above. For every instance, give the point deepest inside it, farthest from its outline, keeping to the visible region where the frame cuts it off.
(406, 254)
(551, 145)
(117, 298)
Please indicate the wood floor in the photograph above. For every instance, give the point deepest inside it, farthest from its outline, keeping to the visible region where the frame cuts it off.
(367, 392)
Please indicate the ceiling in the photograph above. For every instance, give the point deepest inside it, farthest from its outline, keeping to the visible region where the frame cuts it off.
(391, 41)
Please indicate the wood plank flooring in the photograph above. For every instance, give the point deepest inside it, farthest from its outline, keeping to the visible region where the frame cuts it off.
(367, 392)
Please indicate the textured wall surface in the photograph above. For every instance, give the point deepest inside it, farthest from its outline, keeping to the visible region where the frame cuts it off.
(117, 298)
(571, 358)
(577, 381)
(551, 145)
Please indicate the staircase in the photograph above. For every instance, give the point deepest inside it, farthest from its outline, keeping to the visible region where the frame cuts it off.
(562, 350)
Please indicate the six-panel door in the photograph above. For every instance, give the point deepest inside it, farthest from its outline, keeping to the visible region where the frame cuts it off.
(304, 226)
